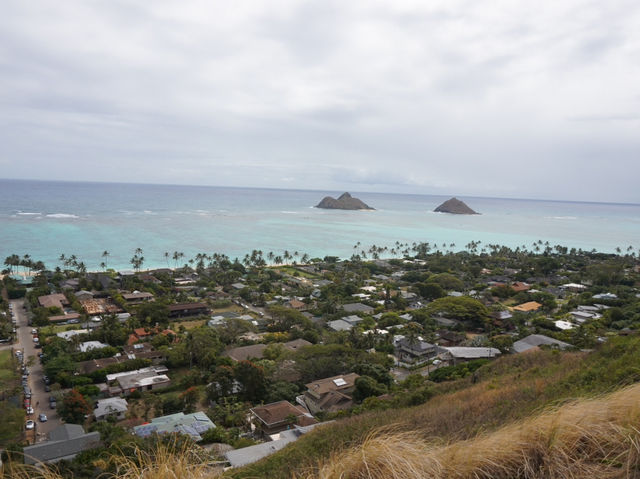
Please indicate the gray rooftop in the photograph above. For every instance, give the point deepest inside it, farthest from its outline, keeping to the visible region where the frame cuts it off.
(110, 406)
(472, 353)
(535, 340)
(65, 442)
(248, 455)
(357, 308)
(340, 325)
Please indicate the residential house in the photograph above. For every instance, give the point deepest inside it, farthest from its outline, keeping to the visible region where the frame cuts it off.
(535, 340)
(528, 307)
(329, 394)
(110, 407)
(296, 304)
(449, 338)
(519, 286)
(144, 351)
(296, 344)
(67, 335)
(339, 325)
(187, 309)
(65, 442)
(145, 379)
(65, 318)
(58, 300)
(455, 355)
(278, 416)
(243, 353)
(609, 296)
(357, 308)
(83, 295)
(97, 306)
(89, 345)
(137, 297)
(415, 352)
(582, 316)
(192, 425)
(248, 455)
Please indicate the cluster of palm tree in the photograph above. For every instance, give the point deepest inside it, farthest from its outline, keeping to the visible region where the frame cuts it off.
(71, 262)
(15, 261)
(255, 259)
(137, 259)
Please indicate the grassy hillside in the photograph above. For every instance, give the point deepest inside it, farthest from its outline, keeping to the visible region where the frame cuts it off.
(508, 390)
(588, 438)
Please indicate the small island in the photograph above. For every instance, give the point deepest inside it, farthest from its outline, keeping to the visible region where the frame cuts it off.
(344, 202)
(456, 207)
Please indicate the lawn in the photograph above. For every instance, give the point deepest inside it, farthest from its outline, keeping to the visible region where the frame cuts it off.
(191, 324)
(7, 369)
(297, 272)
(12, 416)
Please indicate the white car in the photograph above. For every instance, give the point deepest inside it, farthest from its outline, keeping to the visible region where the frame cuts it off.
(35, 340)
(30, 424)
(30, 410)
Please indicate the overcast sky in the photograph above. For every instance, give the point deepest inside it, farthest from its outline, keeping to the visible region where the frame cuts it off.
(536, 100)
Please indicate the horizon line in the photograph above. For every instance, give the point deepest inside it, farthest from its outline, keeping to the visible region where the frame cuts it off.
(131, 183)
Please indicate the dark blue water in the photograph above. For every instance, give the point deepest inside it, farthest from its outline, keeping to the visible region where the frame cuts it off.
(46, 219)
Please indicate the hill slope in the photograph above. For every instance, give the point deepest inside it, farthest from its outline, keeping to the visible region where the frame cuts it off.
(508, 390)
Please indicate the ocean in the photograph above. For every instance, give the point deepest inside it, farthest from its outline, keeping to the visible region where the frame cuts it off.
(46, 219)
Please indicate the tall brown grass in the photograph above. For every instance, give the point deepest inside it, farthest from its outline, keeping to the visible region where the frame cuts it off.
(589, 438)
(165, 461)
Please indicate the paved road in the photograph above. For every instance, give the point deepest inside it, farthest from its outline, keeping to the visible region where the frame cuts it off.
(39, 398)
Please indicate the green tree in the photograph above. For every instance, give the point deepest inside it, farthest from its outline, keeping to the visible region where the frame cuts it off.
(252, 381)
(430, 291)
(74, 407)
(463, 308)
(366, 386)
(190, 398)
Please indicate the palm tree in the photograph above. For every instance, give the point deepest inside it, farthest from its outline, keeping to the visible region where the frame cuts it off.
(166, 257)
(105, 255)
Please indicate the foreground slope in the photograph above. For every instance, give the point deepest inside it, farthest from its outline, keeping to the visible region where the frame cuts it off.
(587, 438)
(505, 392)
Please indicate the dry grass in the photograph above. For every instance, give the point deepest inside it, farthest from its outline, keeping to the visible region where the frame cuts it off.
(165, 461)
(590, 438)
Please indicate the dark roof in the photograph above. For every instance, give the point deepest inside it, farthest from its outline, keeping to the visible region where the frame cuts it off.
(357, 308)
(416, 346)
(65, 442)
(247, 352)
(296, 344)
(535, 340)
(276, 412)
(186, 306)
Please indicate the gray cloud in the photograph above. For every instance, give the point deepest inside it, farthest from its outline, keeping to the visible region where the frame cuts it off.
(452, 97)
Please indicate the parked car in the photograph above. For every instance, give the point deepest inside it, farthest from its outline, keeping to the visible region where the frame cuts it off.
(42, 417)
(52, 404)
(47, 388)
(35, 340)
(30, 410)
(34, 331)
(30, 424)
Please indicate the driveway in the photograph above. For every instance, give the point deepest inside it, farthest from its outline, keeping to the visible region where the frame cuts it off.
(39, 398)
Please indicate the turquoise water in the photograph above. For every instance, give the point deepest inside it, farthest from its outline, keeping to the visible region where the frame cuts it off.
(46, 219)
